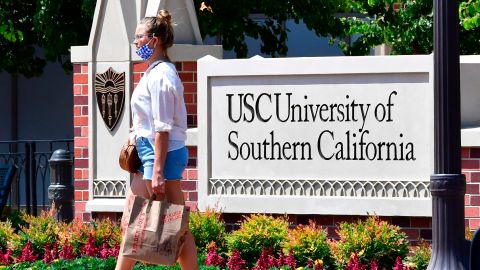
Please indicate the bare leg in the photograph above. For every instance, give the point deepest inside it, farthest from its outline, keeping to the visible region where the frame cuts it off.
(188, 255)
(137, 187)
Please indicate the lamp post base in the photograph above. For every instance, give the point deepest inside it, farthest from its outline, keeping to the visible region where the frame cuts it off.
(450, 249)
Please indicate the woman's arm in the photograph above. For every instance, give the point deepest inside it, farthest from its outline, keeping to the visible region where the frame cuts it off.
(161, 149)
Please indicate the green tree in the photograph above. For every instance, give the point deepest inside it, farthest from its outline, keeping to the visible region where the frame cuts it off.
(53, 25)
(357, 26)
(470, 27)
(406, 27)
(233, 21)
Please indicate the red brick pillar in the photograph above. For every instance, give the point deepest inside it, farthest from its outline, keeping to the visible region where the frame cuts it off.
(80, 126)
(471, 169)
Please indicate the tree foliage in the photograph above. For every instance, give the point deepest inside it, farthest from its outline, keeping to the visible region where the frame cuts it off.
(234, 20)
(357, 26)
(53, 25)
(406, 27)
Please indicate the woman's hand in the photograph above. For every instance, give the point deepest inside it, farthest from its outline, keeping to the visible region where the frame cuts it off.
(158, 183)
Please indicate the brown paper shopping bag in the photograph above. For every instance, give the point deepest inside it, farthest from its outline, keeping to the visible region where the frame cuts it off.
(127, 209)
(155, 231)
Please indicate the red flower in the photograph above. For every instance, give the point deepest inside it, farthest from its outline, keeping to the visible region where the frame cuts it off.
(290, 260)
(319, 266)
(264, 262)
(115, 250)
(27, 254)
(281, 259)
(50, 253)
(212, 257)
(236, 262)
(374, 265)
(398, 264)
(6, 258)
(104, 251)
(90, 248)
(355, 264)
(67, 252)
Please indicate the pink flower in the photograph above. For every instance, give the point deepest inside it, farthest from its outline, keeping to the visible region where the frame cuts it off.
(67, 252)
(319, 266)
(6, 258)
(105, 251)
(290, 260)
(272, 261)
(281, 259)
(264, 262)
(27, 254)
(212, 257)
(236, 262)
(374, 265)
(115, 250)
(355, 264)
(89, 249)
(50, 253)
(399, 264)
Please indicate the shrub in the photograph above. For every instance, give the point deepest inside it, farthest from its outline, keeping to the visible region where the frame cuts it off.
(419, 256)
(74, 234)
(370, 239)
(207, 227)
(15, 217)
(7, 232)
(78, 264)
(39, 231)
(257, 232)
(105, 229)
(309, 243)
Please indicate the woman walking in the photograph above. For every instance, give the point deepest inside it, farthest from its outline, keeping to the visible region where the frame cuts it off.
(159, 126)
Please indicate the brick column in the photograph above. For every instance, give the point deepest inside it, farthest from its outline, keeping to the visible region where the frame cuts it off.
(80, 126)
(471, 169)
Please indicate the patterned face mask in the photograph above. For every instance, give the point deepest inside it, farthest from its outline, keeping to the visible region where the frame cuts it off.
(145, 52)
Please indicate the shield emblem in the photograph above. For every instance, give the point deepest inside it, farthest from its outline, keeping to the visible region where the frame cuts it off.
(110, 92)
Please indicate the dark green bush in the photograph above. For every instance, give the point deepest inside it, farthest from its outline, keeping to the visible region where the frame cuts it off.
(419, 256)
(370, 239)
(257, 232)
(309, 243)
(84, 263)
(207, 227)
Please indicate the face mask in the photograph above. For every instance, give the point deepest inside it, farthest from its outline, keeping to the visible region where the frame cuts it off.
(145, 52)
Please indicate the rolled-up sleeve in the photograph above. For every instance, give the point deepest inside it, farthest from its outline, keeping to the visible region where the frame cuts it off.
(163, 102)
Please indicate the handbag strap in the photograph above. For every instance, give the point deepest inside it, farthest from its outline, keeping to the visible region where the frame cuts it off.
(134, 139)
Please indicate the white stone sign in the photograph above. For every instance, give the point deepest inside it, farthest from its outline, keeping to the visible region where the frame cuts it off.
(290, 135)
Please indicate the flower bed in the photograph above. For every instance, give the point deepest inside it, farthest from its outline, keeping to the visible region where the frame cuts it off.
(262, 242)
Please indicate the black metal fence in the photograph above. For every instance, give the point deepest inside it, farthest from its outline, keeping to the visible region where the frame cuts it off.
(30, 188)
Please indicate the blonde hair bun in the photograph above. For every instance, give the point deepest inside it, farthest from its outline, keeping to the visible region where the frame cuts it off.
(163, 16)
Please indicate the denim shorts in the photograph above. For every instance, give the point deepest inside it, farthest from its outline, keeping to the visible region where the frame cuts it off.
(175, 162)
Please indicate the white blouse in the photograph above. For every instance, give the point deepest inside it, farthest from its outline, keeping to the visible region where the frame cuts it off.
(157, 105)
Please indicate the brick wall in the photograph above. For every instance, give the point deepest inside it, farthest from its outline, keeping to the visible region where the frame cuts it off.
(471, 169)
(80, 127)
(414, 227)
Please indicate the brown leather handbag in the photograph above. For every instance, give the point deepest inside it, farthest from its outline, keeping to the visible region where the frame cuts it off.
(128, 159)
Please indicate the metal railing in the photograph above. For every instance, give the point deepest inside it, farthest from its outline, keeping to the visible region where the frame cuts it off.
(30, 188)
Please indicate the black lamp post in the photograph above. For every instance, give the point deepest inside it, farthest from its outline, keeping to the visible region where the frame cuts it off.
(447, 184)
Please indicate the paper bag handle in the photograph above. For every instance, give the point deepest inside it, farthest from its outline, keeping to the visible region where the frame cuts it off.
(150, 201)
